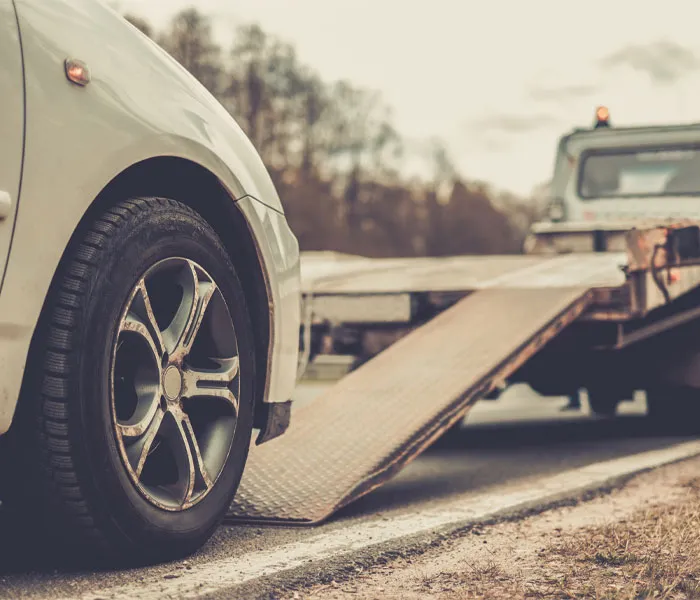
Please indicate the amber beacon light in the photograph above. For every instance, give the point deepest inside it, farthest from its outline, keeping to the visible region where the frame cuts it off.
(602, 117)
(77, 72)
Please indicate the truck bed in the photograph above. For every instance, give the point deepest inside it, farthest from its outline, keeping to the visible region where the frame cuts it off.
(330, 275)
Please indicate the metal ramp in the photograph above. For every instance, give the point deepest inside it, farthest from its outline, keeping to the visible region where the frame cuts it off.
(374, 421)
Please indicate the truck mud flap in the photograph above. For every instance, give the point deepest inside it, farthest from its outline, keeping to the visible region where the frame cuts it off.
(364, 429)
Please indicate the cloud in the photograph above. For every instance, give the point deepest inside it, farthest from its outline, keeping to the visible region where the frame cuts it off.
(495, 146)
(663, 61)
(561, 93)
(512, 124)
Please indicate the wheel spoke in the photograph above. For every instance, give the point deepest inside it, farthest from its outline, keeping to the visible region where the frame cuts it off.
(188, 456)
(200, 468)
(134, 430)
(182, 332)
(140, 319)
(133, 324)
(212, 383)
(142, 305)
(139, 450)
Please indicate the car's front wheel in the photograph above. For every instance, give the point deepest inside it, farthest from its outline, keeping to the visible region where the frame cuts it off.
(136, 414)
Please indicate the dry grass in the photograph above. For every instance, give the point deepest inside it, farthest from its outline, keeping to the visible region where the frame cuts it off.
(651, 550)
(653, 554)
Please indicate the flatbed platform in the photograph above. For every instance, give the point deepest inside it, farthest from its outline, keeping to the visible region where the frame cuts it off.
(325, 274)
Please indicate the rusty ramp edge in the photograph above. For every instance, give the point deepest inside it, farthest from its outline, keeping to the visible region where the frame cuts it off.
(374, 421)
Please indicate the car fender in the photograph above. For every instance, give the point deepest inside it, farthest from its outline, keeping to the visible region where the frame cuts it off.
(139, 104)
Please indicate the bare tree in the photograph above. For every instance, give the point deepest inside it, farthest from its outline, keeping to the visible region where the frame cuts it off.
(335, 155)
(189, 40)
(140, 24)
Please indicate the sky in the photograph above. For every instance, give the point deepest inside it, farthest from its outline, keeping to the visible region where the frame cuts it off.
(499, 81)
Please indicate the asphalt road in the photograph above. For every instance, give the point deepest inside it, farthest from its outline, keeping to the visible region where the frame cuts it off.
(519, 437)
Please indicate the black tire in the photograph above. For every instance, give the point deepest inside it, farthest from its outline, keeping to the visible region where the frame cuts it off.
(72, 474)
(674, 409)
(604, 401)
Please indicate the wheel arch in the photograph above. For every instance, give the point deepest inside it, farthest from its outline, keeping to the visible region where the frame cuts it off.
(197, 187)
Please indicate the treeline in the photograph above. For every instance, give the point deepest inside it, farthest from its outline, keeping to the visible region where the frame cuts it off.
(335, 155)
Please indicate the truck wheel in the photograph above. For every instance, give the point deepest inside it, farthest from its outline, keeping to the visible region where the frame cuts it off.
(136, 414)
(674, 409)
(604, 401)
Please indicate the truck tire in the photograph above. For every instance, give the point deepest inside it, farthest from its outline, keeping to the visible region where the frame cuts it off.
(604, 401)
(674, 409)
(137, 408)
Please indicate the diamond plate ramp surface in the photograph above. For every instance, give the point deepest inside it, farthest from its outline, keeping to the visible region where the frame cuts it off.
(371, 423)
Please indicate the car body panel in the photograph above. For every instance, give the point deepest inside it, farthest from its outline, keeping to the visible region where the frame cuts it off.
(139, 104)
(11, 123)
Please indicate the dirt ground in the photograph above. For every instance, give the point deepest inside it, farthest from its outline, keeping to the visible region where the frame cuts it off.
(641, 541)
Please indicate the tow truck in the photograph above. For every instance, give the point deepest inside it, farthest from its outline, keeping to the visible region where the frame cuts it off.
(619, 174)
(608, 304)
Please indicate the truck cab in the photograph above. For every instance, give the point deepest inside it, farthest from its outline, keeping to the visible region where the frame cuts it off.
(609, 174)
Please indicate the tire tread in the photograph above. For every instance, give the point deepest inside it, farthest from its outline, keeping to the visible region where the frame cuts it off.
(61, 480)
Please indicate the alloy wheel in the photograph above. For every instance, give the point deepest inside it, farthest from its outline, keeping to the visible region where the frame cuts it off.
(175, 384)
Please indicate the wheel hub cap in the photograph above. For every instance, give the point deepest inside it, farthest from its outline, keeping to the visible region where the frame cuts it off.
(172, 383)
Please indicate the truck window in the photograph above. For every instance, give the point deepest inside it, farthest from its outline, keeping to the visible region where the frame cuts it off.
(639, 173)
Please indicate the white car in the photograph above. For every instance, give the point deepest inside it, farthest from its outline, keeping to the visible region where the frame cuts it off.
(149, 308)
